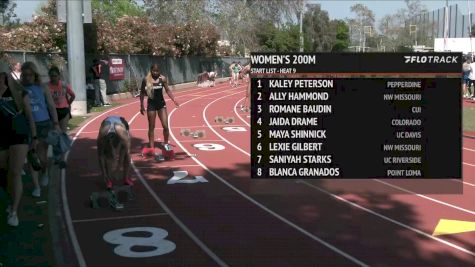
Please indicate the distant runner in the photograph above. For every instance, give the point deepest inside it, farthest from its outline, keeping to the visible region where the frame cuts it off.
(236, 68)
(245, 72)
(209, 77)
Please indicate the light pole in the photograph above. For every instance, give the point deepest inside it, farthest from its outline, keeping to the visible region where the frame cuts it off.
(364, 35)
(413, 29)
(301, 28)
(470, 29)
(75, 38)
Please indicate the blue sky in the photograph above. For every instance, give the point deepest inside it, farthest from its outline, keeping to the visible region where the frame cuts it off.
(337, 9)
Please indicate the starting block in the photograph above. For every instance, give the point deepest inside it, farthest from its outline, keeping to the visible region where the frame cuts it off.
(245, 109)
(168, 153)
(147, 152)
(111, 195)
(229, 120)
(220, 119)
(195, 134)
(185, 132)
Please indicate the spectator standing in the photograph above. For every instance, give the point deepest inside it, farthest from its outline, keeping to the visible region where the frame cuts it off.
(44, 116)
(98, 73)
(16, 73)
(466, 80)
(63, 96)
(17, 119)
(471, 78)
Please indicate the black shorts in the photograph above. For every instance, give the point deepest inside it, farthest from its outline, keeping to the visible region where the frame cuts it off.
(62, 113)
(155, 104)
(43, 128)
(11, 138)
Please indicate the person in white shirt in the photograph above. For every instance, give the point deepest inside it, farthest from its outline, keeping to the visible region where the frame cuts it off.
(471, 78)
(212, 77)
(16, 73)
(206, 77)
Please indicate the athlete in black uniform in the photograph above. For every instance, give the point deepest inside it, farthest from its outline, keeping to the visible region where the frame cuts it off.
(152, 86)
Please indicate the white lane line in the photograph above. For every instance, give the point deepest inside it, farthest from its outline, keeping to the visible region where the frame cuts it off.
(425, 197)
(237, 113)
(468, 164)
(201, 141)
(460, 181)
(120, 217)
(181, 127)
(215, 132)
(296, 227)
(388, 219)
(168, 210)
(468, 149)
(170, 166)
(419, 195)
(67, 212)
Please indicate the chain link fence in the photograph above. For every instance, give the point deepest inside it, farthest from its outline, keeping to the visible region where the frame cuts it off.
(177, 70)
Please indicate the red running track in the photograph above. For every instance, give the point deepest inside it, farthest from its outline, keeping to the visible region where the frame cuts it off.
(202, 209)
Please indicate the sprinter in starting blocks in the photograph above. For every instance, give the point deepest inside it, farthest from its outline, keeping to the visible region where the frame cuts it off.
(113, 147)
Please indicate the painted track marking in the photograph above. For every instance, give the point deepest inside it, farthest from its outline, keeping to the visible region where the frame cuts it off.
(168, 210)
(425, 197)
(161, 167)
(120, 217)
(387, 218)
(296, 227)
(67, 213)
(237, 113)
(419, 195)
(214, 131)
(460, 181)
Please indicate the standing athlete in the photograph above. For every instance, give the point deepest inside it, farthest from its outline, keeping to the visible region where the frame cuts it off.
(236, 68)
(245, 72)
(152, 86)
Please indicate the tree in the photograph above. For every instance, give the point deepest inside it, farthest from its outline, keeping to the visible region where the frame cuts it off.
(43, 34)
(113, 10)
(177, 12)
(396, 27)
(8, 16)
(317, 30)
(241, 21)
(342, 40)
(284, 39)
(362, 26)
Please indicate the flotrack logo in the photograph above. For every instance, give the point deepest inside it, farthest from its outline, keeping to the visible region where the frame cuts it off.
(431, 59)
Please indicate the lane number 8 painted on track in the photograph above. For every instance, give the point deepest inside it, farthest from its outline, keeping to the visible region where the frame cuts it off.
(155, 242)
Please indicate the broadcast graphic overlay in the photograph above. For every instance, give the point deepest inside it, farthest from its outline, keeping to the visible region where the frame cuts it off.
(356, 116)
